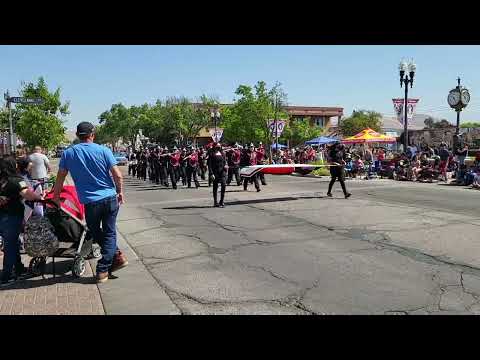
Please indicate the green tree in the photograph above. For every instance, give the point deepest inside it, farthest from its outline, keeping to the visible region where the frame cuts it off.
(41, 124)
(473, 124)
(299, 131)
(429, 123)
(361, 120)
(4, 124)
(112, 125)
(248, 119)
(442, 124)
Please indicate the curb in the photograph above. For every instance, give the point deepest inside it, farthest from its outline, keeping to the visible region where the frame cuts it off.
(134, 291)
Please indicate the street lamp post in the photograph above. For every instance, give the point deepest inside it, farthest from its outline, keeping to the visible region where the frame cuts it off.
(215, 115)
(10, 123)
(405, 80)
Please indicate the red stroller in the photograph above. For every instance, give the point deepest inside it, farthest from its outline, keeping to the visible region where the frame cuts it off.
(69, 225)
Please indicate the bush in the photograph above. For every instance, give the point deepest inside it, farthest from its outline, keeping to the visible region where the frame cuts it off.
(323, 171)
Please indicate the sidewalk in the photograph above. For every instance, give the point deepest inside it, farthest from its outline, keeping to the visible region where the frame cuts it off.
(62, 295)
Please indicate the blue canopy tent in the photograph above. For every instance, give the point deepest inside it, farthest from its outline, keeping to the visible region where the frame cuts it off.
(322, 140)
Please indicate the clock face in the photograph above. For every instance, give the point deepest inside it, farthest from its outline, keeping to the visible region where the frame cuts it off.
(453, 98)
(465, 97)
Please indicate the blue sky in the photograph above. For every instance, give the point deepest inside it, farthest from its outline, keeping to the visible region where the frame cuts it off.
(354, 77)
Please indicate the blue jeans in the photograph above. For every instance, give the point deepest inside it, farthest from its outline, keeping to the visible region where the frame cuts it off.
(10, 227)
(103, 213)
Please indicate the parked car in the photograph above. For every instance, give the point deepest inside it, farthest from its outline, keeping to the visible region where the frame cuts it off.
(121, 158)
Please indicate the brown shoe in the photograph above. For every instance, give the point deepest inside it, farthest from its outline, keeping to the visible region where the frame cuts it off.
(102, 277)
(119, 261)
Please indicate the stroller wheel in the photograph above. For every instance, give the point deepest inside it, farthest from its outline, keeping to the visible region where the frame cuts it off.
(37, 266)
(79, 266)
(96, 251)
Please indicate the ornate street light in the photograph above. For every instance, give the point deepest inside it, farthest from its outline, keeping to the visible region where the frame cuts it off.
(215, 115)
(405, 79)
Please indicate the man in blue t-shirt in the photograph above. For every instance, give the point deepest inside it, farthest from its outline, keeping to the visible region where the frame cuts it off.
(99, 186)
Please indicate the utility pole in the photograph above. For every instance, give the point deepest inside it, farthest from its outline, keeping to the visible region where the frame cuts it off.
(10, 124)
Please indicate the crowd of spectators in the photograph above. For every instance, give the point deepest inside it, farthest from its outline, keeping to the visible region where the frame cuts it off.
(423, 164)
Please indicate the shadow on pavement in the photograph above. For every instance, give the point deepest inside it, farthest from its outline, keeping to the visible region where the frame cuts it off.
(62, 275)
(246, 202)
(152, 188)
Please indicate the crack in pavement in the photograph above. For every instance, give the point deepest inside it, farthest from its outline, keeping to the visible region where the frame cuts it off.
(177, 295)
(376, 237)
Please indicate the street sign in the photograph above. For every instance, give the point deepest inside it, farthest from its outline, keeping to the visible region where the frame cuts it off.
(280, 126)
(22, 100)
(216, 136)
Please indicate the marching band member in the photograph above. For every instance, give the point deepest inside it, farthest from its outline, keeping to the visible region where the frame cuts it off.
(260, 153)
(174, 166)
(250, 159)
(336, 158)
(217, 166)
(233, 160)
(192, 166)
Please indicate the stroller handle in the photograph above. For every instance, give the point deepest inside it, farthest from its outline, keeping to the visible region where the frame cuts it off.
(49, 202)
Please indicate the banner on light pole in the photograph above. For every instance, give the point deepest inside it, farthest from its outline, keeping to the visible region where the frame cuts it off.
(216, 136)
(398, 105)
(280, 127)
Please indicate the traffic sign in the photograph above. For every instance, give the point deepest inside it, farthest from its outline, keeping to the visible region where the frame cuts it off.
(23, 100)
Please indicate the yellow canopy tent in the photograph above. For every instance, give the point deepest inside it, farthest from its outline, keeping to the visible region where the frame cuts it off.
(368, 136)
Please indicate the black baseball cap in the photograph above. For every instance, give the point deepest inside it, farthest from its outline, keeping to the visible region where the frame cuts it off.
(85, 128)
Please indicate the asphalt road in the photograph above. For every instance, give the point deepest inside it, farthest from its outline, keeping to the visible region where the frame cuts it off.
(392, 248)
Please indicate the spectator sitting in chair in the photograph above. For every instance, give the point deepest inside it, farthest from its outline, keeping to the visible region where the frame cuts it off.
(425, 173)
(476, 178)
(357, 166)
(415, 168)
(477, 158)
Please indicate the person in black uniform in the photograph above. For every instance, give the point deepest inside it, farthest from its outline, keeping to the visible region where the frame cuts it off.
(183, 166)
(144, 165)
(208, 155)
(163, 162)
(151, 165)
(337, 158)
(132, 166)
(217, 167)
(156, 166)
(140, 164)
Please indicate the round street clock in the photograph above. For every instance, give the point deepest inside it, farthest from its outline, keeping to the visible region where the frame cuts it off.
(454, 98)
(465, 97)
